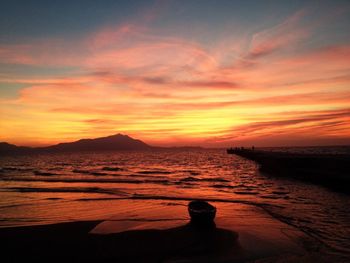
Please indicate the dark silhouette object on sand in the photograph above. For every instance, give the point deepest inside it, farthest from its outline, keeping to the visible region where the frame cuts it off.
(71, 242)
(202, 213)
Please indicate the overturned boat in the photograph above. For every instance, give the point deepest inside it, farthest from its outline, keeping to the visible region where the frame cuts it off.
(201, 212)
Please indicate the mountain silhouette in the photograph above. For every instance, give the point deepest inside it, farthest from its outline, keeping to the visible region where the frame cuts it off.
(118, 142)
(115, 142)
(6, 148)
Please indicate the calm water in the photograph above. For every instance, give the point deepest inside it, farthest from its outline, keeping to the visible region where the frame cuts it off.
(54, 188)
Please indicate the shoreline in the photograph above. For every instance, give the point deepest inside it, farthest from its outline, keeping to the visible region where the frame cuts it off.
(242, 234)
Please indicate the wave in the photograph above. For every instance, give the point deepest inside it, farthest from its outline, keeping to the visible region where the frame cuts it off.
(96, 172)
(113, 169)
(79, 171)
(17, 169)
(44, 173)
(246, 193)
(90, 172)
(87, 180)
(223, 186)
(154, 172)
(194, 179)
(66, 190)
(183, 198)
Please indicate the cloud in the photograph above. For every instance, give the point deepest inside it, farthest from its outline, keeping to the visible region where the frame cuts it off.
(299, 124)
(135, 79)
(282, 36)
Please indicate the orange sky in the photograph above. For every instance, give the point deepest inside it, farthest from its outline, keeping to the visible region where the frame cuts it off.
(286, 82)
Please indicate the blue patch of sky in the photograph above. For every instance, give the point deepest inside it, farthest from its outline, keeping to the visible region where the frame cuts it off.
(216, 18)
(27, 19)
(21, 20)
(20, 70)
(10, 90)
(17, 71)
(332, 23)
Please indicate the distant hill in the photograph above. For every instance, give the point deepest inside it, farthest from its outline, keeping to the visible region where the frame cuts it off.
(118, 142)
(6, 148)
(114, 142)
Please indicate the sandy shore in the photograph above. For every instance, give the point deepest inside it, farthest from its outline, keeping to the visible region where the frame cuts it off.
(242, 234)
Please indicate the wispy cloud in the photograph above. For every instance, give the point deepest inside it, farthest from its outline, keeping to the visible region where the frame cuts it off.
(284, 36)
(132, 78)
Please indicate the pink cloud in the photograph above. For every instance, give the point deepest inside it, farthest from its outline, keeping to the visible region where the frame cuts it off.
(132, 77)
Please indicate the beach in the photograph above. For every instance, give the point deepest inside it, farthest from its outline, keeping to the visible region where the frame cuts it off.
(115, 206)
(164, 131)
(242, 234)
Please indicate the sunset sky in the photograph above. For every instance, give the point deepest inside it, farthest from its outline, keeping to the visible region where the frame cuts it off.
(209, 73)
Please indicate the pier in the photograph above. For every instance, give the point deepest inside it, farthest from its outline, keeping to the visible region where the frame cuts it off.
(329, 170)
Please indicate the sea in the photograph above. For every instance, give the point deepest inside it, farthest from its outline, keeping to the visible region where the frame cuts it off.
(52, 188)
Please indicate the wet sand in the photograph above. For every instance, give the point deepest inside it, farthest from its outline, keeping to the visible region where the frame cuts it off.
(243, 233)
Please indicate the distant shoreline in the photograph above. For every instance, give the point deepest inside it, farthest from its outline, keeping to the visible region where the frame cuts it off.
(118, 142)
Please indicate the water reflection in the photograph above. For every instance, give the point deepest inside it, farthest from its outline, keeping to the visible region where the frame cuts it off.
(54, 188)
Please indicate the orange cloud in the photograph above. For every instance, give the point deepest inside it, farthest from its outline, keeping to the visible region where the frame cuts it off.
(328, 124)
(131, 79)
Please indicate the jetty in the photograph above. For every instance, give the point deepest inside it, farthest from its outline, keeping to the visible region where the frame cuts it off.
(330, 170)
